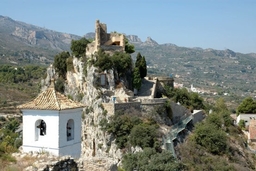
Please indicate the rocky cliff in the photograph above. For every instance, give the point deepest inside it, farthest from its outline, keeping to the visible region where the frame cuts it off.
(96, 144)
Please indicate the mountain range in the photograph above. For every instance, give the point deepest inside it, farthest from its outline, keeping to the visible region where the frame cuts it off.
(221, 71)
(25, 43)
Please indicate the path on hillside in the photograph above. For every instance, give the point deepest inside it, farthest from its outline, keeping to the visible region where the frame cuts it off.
(146, 88)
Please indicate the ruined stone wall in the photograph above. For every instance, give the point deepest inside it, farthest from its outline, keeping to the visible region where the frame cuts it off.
(128, 105)
(114, 107)
(166, 80)
(153, 101)
(162, 81)
(156, 111)
(149, 107)
(105, 40)
(154, 89)
(101, 35)
(111, 48)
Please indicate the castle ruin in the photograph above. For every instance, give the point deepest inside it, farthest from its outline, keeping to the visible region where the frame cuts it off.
(109, 42)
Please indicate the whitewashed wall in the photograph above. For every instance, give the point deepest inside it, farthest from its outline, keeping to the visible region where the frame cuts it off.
(55, 140)
(71, 147)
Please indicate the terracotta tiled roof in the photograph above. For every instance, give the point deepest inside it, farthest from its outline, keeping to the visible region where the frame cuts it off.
(50, 99)
(252, 129)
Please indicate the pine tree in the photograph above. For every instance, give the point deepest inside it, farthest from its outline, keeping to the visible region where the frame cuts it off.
(136, 78)
(142, 65)
(143, 68)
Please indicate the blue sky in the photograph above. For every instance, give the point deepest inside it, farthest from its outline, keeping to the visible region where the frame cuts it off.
(217, 24)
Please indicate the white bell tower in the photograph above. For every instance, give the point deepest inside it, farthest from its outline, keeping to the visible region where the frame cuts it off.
(52, 123)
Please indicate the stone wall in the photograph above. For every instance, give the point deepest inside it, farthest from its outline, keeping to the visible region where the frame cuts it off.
(153, 101)
(114, 107)
(154, 89)
(111, 48)
(163, 81)
(178, 111)
(128, 105)
(109, 107)
(156, 111)
(198, 116)
(103, 38)
(166, 80)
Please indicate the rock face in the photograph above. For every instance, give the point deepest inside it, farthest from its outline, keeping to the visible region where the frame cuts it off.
(85, 84)
(150, 42)
(86, 88)
(133, 39)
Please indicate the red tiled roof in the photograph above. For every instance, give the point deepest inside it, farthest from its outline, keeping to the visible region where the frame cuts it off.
(50, 99)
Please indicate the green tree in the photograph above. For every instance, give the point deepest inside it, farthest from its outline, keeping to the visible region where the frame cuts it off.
(143, 70)
(210, 137)
(214, 119)
(182, 96)
(189, 99)
(121, 62)
(196, 101)
(103, 61)
(141, 64)
(150, 160)
(220, 105)
(70, 66)
(60, 63)
(120, 126)
(143, 135)
(248, 105)
(241, 124)
(129, 48)
(8, 138)
(59, 85)
(136, 78)
(78, 47)
(138, 60)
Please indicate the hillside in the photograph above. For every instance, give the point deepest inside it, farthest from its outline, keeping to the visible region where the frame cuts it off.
(223, 71)
(32, 44)
(213, 71)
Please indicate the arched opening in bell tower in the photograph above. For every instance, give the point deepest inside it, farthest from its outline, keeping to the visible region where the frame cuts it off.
(70, 129)
(40, 129)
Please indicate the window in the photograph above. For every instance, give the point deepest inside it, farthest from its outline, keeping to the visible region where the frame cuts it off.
(40, 129)
(70, 129)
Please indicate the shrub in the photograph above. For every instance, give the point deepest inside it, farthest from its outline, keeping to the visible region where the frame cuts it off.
(210, 137)
(70, 66)
(59, 85)
(150, 160)
(241, 124)
(79, 96)
(214, 119)
(60, 63)
(103, 61)
(143, 135)
(78, 47)
(120, 126)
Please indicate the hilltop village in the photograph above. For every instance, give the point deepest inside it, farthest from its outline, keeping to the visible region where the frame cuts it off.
(98, 110)
(101, 95)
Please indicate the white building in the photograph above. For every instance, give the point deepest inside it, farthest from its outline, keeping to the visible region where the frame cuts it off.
(52, 123)
(246, 117)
